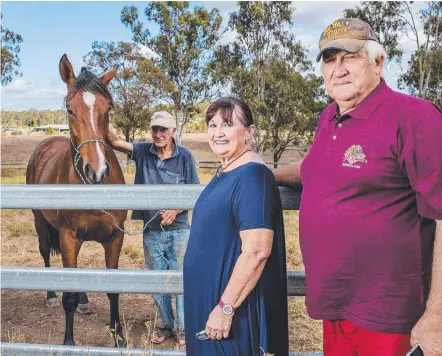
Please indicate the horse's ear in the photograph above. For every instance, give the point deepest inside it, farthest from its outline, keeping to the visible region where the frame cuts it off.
(107, 77)
(66, 70)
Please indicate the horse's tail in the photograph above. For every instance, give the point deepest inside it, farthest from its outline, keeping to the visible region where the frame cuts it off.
(54, 239)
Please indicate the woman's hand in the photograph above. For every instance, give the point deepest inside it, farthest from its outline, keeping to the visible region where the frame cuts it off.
(218, 325)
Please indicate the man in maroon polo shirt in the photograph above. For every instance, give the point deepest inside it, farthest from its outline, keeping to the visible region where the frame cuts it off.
(370, 222)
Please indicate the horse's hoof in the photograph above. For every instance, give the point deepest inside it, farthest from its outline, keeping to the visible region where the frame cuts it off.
(52, 302)
(83, 309)
(69, 342)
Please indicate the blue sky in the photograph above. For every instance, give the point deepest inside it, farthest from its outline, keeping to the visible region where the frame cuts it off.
(50, 29)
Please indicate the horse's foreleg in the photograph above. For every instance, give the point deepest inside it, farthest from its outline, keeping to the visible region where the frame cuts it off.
(42, 228)
(112, 254)
(70, 247)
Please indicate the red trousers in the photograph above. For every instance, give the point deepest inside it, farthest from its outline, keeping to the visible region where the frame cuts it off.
(343, 338)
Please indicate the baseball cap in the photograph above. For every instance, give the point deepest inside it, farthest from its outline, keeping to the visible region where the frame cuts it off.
(163, 119)
(347, 35)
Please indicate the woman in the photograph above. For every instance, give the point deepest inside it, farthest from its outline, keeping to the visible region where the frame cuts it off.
(235, 283)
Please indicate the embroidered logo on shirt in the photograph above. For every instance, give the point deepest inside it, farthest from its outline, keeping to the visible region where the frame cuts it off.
(353, 155)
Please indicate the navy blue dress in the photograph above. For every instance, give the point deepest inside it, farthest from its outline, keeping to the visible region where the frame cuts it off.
(242, 199)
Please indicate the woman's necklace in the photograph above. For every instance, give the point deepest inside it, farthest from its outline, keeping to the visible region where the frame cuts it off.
(221, 168)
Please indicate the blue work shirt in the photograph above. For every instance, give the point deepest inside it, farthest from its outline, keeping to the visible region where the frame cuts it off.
(180, 168)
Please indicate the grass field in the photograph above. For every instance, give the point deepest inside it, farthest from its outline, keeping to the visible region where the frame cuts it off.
(25, 318)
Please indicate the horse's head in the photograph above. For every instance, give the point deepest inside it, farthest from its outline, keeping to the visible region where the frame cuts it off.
(88, 103)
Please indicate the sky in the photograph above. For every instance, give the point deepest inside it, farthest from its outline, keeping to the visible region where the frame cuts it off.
(50, 29)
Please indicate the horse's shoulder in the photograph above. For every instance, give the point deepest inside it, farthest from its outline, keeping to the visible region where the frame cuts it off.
(58, 141)
(49, 149)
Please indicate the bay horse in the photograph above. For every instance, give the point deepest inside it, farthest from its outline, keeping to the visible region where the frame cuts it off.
(85, 158)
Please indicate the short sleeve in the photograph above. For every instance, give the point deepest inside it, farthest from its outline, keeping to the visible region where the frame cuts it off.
(191, 173)
(253, 199)
(422, 163)
(137, 151)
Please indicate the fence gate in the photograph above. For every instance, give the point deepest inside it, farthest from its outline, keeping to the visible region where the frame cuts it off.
(102, 280)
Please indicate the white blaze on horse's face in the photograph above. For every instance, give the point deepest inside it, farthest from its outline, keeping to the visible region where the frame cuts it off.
(89, 100)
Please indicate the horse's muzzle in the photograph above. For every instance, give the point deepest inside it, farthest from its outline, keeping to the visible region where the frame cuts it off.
(96, 177)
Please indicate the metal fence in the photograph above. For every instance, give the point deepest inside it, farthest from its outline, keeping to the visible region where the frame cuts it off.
(102, 280)
(126, 163)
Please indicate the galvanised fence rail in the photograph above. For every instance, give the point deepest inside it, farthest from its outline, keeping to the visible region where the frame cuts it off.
(102, 280)
(125, 163)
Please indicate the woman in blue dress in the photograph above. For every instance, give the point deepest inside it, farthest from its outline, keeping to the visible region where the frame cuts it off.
(235, 280)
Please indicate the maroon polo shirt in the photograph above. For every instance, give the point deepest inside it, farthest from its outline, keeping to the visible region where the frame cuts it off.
(372, 188)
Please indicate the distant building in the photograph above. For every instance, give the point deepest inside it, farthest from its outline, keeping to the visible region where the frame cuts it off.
(58, 128)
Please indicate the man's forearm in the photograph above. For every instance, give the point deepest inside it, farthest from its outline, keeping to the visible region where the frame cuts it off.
(434, 303)
(119, 145)
(123, 149)
(289, 175)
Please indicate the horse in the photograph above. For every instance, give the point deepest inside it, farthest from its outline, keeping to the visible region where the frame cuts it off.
(84, 158)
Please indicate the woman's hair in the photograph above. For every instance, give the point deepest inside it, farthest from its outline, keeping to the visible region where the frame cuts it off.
(226, 107)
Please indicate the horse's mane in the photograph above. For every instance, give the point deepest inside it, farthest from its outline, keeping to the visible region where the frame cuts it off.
(88, 81)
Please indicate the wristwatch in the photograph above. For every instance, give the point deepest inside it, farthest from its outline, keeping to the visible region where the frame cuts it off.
(227, 309)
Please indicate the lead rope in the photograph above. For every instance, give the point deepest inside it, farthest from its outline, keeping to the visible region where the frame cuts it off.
(77, 158)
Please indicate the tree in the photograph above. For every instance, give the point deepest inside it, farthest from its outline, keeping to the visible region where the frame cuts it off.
(184, 45)
(385, 19)
(424, 77)
(131, 91)
(267, 67)
(10, 48)
(289, 110)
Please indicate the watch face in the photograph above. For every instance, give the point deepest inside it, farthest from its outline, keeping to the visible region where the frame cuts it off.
(227, 309)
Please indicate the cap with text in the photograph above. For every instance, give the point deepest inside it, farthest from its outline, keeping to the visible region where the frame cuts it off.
(346, 35)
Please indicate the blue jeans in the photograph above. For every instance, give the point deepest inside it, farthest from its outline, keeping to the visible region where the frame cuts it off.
(164, 250)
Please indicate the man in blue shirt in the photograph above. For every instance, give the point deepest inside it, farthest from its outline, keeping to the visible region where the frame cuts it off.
(167, 232)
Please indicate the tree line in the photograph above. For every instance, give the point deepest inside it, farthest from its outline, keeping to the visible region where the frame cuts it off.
(32, 118)
(189, 62)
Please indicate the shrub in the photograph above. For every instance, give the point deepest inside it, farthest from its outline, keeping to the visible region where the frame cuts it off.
(51, 131)
(196, 127)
